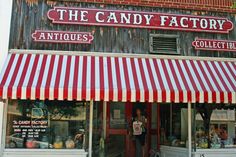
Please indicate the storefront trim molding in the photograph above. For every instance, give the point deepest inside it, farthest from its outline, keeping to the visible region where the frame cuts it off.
(4, 125)
(214, 152)
(169, 151)
(83, 53)
(43, 152)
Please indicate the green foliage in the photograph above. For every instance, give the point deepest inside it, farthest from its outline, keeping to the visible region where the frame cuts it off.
(56, 109)
(234, 5)
(62, 109)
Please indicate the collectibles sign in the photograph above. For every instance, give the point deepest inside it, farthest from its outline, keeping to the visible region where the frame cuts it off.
(134, 19)
(62, 37)
(214, 45)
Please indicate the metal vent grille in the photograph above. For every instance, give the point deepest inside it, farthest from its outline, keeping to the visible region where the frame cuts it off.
(167, 44)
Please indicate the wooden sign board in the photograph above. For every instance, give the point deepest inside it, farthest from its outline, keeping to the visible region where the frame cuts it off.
(136, 19)
(214, 45)
(62, 37)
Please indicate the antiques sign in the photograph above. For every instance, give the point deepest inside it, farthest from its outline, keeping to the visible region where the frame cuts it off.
(135, 19)
(62, 37)
(214, 45)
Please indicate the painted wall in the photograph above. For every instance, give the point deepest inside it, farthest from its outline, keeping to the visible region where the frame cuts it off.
(5, 20)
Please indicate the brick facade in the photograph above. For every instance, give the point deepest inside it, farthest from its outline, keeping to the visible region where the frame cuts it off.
(204, 5)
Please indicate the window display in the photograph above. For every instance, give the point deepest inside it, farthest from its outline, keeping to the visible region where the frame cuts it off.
(46, 125)
(174, 128)
(215, 126)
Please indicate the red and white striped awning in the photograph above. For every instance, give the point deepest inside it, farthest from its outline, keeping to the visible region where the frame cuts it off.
(108, 78)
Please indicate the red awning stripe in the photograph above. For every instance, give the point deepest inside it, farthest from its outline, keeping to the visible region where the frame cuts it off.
(46, 76)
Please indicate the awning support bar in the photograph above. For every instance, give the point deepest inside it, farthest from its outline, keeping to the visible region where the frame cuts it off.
(104, 121)
(189, 130)
(90, 128)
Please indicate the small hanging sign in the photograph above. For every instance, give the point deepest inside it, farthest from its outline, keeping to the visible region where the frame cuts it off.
(62, 37)
(214, 45)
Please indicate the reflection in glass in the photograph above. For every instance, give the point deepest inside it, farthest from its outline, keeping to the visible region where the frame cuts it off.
(46, 125)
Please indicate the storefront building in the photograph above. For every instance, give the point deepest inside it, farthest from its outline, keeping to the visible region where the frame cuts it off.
(75, 73)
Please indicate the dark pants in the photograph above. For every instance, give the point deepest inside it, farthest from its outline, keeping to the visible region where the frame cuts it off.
(139, 151)
(140, 142)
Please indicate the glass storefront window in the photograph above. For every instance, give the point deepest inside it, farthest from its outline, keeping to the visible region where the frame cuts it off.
(46, 125)
(117, 116)
(174, 125)
(215, 126)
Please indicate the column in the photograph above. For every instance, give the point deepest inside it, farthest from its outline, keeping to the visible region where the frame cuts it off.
(189, 130)
(90, 128)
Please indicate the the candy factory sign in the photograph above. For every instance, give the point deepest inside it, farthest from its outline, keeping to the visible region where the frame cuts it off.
(214, 45)
(135, 19)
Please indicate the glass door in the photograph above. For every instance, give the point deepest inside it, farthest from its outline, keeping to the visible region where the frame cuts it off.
(119, 142)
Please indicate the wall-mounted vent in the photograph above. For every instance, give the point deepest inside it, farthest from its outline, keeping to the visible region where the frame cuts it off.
(165, 44)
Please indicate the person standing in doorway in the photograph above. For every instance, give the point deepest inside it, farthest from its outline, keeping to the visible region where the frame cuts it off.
(139, 131)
